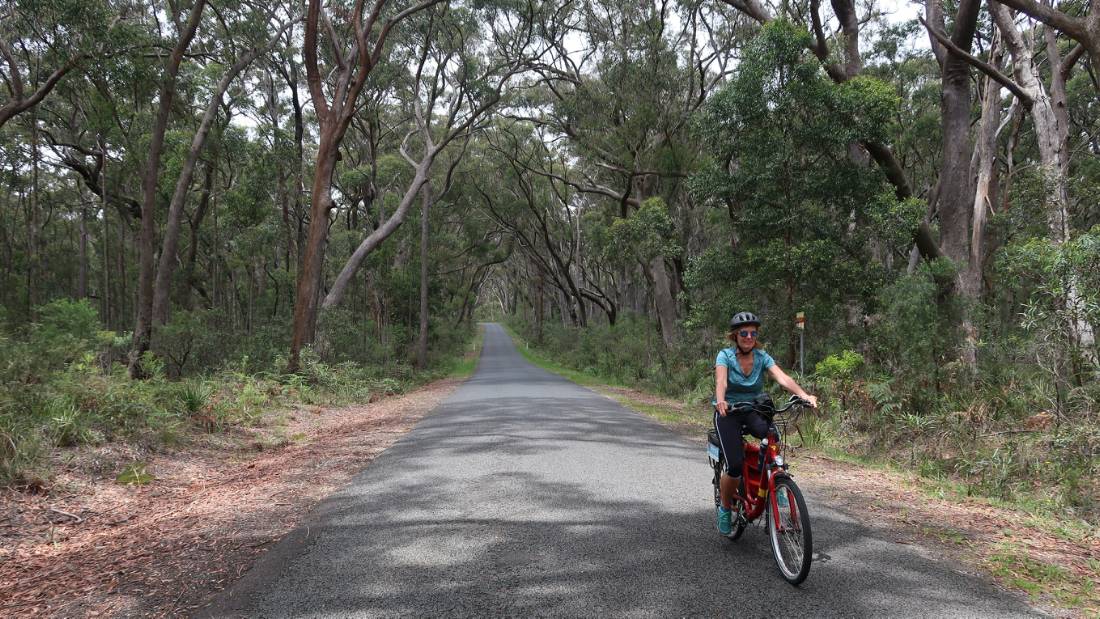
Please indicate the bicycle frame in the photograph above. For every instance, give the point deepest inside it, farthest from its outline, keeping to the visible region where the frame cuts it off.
(760, 480)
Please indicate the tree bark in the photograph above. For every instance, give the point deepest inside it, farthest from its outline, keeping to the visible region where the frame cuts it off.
(82, 277)
(955, 194)
(422, 339)
(309, 277)
(986, 155)
(663, 301)
(1084, 30)
(1048, 134)
(189, 281)
(334, 118)
(33, 266)
(105, 293)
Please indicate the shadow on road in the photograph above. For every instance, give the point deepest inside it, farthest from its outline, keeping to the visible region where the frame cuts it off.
(443, 553)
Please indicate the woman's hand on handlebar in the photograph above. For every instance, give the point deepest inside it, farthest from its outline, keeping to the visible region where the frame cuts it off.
(809, 399)
(723, 407)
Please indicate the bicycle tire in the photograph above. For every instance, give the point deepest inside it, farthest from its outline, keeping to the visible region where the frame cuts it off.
(793, 546)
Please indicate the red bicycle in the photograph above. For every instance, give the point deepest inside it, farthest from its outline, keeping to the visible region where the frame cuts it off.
(767, 488)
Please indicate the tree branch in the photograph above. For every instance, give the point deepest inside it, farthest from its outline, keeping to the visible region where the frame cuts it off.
(980, 64)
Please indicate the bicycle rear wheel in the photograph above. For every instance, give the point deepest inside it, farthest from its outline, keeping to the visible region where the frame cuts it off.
(792, 541)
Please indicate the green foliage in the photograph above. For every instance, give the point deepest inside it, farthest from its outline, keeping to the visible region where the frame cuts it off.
(628, 353)
(804, 216)
(64, 333)
(646, 234)
(1064, 294)
(135, 474)
(841, 366)
(63, 397)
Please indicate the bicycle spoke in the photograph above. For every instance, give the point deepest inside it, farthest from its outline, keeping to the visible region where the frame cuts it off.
(789, 533)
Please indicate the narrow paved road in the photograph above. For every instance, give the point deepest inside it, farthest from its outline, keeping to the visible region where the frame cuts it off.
(525, 494)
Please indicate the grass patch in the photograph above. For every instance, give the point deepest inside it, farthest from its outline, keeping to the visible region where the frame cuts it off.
(682, 417)
(1039, 579)
(465, 365)
(548, 364)
(946, 535)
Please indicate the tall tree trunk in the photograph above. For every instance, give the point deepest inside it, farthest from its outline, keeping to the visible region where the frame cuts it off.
(170, 244)
(1048, 134)
(33, 270)
(189, 283)
(334, 118)
(143, 326)
(422, 340)
(986, 156)
(539, 306)
(125, 297)
(299, 236)
(82, 277)
(105, 293)
(663, 300)
(309, 277)
(1051, 135)
(955, 191)
(657, 275)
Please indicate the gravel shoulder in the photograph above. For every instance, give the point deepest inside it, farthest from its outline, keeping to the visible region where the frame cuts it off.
(92, 547)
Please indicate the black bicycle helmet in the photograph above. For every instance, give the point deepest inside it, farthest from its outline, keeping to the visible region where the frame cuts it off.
(744, 318)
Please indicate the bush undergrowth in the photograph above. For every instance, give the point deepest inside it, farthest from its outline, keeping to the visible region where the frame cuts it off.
(62, 386)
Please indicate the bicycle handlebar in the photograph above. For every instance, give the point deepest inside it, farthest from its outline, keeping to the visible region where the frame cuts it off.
(794, 401)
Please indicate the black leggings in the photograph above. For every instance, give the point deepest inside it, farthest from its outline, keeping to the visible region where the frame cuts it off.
(730, 428)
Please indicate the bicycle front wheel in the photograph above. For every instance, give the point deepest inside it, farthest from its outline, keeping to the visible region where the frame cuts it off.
(792, 542)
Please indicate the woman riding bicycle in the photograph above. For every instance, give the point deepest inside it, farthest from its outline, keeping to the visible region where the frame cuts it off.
(739, 377)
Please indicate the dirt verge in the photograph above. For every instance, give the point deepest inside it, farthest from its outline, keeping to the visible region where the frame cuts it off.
(92, 547)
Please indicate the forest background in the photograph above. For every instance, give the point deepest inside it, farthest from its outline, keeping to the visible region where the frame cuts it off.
(211, 208)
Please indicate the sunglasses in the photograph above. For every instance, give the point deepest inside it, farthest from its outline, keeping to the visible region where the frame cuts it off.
(751, 334)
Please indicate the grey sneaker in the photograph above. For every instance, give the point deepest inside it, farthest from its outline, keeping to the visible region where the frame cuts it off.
(725, 526)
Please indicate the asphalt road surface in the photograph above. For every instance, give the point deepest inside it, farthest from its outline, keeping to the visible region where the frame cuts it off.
(525, 494)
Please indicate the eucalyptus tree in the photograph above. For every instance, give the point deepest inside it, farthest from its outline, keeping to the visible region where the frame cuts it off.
(842, 56)
(451, 91)
(244, 23)
(1085, 29)
(185, 24)
(806, 213)
(1047, 107)
(42, 42)
(357, 38)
